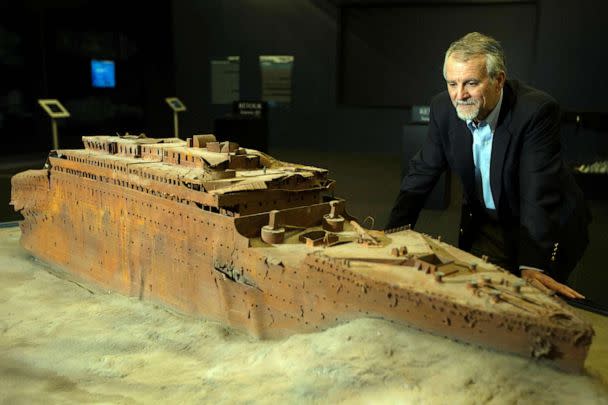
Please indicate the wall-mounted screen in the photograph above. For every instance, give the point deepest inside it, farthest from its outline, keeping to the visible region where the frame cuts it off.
(102, 73)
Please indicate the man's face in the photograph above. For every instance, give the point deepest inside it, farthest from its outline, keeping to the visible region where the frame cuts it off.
(473, 92)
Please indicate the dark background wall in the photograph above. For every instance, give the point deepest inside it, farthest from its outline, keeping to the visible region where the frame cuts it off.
(566, 60)
(46, 51)
(380, 68)
(164, 49)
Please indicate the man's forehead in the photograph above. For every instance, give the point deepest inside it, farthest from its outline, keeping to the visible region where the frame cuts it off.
(473, 68)
(458, 65)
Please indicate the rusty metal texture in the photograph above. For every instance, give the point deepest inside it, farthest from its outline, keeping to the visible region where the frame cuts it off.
(232, 234)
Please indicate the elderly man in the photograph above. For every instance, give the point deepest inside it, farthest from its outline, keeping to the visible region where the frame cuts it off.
(521, 206)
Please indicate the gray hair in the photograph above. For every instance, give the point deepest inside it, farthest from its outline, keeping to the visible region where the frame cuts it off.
(475, 44)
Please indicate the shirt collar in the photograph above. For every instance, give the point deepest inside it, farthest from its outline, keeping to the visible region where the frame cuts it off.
(491, 119)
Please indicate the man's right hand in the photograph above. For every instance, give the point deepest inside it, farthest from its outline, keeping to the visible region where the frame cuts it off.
(536, 277)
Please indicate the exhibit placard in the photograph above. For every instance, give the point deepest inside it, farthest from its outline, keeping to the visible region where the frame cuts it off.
(225, 80)
(276, 73)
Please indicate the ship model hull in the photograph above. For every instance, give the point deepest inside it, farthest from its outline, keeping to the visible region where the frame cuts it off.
(124, 234)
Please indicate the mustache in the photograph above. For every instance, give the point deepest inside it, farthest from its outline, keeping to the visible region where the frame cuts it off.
(466, 102)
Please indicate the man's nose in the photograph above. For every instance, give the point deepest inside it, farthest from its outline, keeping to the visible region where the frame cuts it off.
(461, 93)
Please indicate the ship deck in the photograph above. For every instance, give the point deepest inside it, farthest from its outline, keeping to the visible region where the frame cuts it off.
(68, 342)
(376, 264)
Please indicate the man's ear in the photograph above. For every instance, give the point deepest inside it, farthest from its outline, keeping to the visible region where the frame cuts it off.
(500, 80)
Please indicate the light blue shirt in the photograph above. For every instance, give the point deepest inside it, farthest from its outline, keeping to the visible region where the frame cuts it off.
(483, 133)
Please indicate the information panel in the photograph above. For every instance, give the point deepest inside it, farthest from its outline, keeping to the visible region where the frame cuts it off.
(276, 78)
(225, 80)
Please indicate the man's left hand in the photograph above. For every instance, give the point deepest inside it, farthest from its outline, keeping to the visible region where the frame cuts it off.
(536, 277)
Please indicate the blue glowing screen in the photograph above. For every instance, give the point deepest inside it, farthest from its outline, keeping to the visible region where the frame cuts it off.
(102, 73)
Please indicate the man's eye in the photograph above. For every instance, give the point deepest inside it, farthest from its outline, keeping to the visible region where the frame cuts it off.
(451, 84)
(472, 83)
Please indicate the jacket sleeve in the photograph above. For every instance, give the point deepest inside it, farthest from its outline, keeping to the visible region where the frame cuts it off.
(424, 171)
(541, 198)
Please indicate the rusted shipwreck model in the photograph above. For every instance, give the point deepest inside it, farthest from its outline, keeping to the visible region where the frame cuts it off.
(234, 235)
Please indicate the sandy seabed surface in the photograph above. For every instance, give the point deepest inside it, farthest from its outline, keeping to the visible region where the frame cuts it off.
(66, 342)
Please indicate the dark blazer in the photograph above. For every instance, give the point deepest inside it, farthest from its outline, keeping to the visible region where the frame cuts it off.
(541, 210)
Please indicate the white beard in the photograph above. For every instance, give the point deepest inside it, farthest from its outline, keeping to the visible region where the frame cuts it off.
(469, 113)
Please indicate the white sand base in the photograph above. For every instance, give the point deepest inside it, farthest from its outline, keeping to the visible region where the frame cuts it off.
(65, 342)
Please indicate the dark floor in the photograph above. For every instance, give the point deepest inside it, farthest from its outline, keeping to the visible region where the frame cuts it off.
(370, 184)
